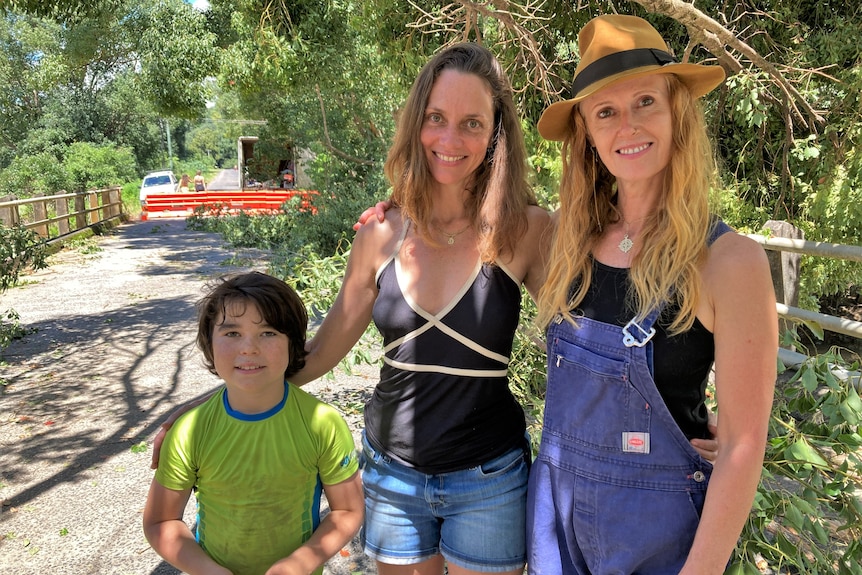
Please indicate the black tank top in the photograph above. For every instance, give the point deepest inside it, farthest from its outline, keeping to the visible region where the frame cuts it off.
(681, 363)
(443, 401)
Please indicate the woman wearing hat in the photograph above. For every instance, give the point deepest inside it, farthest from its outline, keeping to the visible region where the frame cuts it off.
(646, 291)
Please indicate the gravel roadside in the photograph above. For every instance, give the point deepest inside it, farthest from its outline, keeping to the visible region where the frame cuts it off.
(110, 353)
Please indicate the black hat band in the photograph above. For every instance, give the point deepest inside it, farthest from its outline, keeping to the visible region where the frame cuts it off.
(619, 62)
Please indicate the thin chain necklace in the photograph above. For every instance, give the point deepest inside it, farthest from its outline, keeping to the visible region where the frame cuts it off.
(450, 237)
(626, 244)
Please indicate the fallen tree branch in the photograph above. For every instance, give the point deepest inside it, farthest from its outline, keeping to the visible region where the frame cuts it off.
(327, 142)
(721, 42)
(520, 25)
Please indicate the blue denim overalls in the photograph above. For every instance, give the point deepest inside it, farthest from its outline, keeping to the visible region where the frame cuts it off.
(616, 487)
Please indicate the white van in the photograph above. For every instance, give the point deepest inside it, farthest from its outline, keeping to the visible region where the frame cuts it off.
(163, 182)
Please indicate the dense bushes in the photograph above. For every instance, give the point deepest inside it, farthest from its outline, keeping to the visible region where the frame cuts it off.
(20, 249)
(83, 166)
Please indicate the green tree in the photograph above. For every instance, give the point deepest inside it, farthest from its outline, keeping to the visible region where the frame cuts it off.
(37, 174)
(93, 167)
(108, 73)
(177, 54)
(30, 49)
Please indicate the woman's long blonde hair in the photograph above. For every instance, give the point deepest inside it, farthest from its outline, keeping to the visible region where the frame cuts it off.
(674, 238)
(500, 192)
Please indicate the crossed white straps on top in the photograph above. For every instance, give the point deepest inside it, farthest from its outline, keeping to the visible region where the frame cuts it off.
(436, 321)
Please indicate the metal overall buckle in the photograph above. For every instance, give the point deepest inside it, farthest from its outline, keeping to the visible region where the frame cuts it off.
(630, 340)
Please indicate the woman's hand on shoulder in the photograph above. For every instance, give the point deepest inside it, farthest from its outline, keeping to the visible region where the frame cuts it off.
(377, 236)
(377, 211)
(166, 425)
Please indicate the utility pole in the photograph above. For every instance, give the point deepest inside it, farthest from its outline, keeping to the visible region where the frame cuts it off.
(170, 151)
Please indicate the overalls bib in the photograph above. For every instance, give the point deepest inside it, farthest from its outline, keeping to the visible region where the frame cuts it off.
(616, 487)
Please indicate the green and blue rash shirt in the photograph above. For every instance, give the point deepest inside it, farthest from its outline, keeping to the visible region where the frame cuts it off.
(257, 478)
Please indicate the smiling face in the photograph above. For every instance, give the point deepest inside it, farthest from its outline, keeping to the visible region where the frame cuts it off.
(457, 127)
(630, 124)
(249, 355)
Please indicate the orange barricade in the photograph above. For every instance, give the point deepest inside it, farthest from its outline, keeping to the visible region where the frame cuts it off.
(257, 201)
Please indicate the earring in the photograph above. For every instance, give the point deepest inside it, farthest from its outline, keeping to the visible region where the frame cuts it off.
(595, 195)
(495, 139)
(489, 155)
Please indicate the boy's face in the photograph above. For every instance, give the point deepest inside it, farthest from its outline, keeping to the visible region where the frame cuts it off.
(249, 354)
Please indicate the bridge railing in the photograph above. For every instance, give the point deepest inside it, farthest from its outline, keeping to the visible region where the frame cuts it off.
(53, 217)
(784, 252)
(249, 200)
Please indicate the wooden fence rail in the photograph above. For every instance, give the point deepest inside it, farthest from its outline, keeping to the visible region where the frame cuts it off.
(53, 217)
(784, 248)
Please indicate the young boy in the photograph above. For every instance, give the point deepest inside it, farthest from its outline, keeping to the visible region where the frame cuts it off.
(258, 452)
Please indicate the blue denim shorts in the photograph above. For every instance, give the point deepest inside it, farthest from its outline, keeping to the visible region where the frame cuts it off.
(475, 517)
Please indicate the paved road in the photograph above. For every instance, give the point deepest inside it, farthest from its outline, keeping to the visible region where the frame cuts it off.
(110, 354)
(225, 180)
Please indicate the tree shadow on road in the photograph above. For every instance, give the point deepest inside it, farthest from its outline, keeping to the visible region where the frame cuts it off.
(87, 387)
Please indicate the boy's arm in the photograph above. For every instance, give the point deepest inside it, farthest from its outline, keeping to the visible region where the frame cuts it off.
(169, 535)
(346, 512)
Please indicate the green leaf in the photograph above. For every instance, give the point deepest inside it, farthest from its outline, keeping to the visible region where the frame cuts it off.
(809, 379)
(815, 328)
(794, 516)
(853, 400)
(742, 569)
(802, 451)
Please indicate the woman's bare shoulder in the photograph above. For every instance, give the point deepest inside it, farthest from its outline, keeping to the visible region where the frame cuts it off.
(538, 220)
(736, 269)
(376, 239)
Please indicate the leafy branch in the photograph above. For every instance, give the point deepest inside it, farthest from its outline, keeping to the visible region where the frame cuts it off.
(722, 43)
(20, 249)
(520, 26)
(327, 142)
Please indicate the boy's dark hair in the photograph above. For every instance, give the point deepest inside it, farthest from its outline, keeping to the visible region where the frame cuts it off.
(279, 306)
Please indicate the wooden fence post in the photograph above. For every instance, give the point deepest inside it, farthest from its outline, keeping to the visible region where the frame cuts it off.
(80, 215)
(61, 206)
(94, 207)
(785, 269)
(107, 209)
(116, 201)
(9, 216)
(40, 212)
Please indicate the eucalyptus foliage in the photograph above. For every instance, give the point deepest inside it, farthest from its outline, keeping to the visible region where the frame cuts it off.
(807, 515)
(20, 249)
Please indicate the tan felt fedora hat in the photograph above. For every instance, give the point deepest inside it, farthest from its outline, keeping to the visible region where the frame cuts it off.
(616, 47)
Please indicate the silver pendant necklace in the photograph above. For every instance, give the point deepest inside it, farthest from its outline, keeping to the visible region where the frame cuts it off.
(626, 244)
(450, 237)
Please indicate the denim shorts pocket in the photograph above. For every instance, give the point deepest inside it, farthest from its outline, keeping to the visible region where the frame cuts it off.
(503, 463)
(369, 453)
